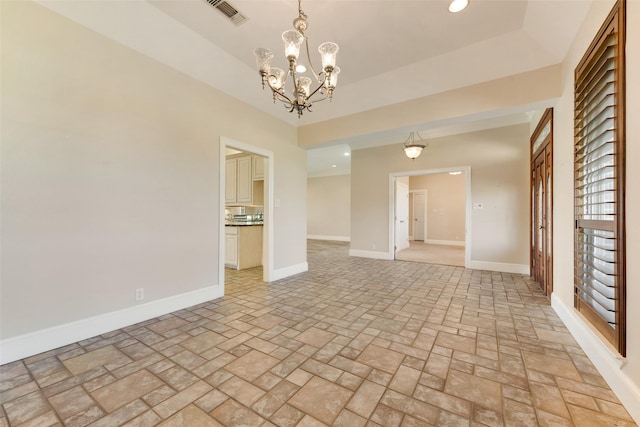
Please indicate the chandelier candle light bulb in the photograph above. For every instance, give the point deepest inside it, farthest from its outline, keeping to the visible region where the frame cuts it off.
(292, 41)
(303, 94)
(328, 52)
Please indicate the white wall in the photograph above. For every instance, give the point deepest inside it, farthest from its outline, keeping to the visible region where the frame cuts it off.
(499, 164)
(329, 207)
(110, 182)
(446, 205)
(622, 374)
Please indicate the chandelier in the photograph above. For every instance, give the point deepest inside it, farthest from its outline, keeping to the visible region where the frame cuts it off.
(302, 93)
(412, 147)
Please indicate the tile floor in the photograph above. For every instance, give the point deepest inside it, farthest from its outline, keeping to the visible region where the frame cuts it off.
(353, 342)
(432, 254)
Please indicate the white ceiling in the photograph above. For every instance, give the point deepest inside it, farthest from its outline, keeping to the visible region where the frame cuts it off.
(390, 50)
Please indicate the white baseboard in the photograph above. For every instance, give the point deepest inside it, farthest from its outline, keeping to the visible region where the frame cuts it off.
(500, 266)
(371, 254)
(281, 273)
(334, 238)
(445, 242)
(32, 343)
(609, 364)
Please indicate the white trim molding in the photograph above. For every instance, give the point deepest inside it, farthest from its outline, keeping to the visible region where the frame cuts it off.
(609, 364)
(445, 242)
(333, 238)
(281, 273)
(32, 343)
(371, 254)
(502, 267)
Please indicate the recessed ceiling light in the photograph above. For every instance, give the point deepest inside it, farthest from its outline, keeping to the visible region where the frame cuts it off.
(334, 166)
(458, 5)
(300, 68)
(346, 154)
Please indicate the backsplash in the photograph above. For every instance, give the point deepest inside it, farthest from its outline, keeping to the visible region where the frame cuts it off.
(253, 212)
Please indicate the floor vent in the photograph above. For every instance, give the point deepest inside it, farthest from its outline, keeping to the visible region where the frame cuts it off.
(229, 11)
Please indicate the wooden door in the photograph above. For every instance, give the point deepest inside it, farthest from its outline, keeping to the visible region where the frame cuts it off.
(542, 203)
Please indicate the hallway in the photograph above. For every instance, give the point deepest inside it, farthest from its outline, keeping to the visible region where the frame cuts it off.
(351, 342)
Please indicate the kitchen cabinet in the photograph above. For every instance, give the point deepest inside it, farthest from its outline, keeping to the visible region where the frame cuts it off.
(239, 180)
(230, 172)
(243, 246)
(258, 168)
(231, 247)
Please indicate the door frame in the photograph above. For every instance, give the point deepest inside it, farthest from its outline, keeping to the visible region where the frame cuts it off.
(267, 234)
(413, 208)
(545, 149)
(467, 216)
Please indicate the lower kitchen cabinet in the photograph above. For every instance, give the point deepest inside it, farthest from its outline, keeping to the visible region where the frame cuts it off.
(243, 246)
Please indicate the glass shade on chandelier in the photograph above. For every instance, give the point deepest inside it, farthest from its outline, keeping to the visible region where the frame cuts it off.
(302, 93)
(412, 147)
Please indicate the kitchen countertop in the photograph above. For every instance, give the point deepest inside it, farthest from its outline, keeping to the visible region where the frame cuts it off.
(242, 223)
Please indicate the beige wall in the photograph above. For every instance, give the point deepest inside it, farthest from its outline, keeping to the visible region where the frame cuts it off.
(499, 164)
(446, 205)
(624, 377)
(329, 207)
(474, 102)
(110, 175)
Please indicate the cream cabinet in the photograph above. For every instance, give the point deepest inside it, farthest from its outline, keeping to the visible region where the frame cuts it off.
(243, 246)
(239, 180)
(230, 178)
(231, 247)
(244, 183)
(258, 168)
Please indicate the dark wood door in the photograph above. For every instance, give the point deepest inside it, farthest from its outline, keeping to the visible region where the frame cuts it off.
(542, 203)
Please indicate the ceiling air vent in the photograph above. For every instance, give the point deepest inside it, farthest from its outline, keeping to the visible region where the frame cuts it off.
(229, 11)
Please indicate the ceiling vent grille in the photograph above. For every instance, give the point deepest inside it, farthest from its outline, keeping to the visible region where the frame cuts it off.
(229, 11)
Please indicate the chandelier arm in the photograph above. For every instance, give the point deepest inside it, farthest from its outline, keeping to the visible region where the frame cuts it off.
(326, 95)
(318, 88)
(281, 96)
(315, 73)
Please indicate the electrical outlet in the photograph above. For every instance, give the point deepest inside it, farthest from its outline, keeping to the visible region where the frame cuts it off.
(139, 294)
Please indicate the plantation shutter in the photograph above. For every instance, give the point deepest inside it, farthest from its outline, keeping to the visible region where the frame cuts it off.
(599, 182)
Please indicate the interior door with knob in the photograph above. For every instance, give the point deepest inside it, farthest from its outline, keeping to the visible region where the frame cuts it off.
(419, 211)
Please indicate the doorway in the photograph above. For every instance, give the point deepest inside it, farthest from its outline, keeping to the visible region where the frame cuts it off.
(542, 202)
(436, 243)
(267, 235)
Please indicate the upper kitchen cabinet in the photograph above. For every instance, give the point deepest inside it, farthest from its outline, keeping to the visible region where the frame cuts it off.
(239, 180)
(258, 168)
(230, 172)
